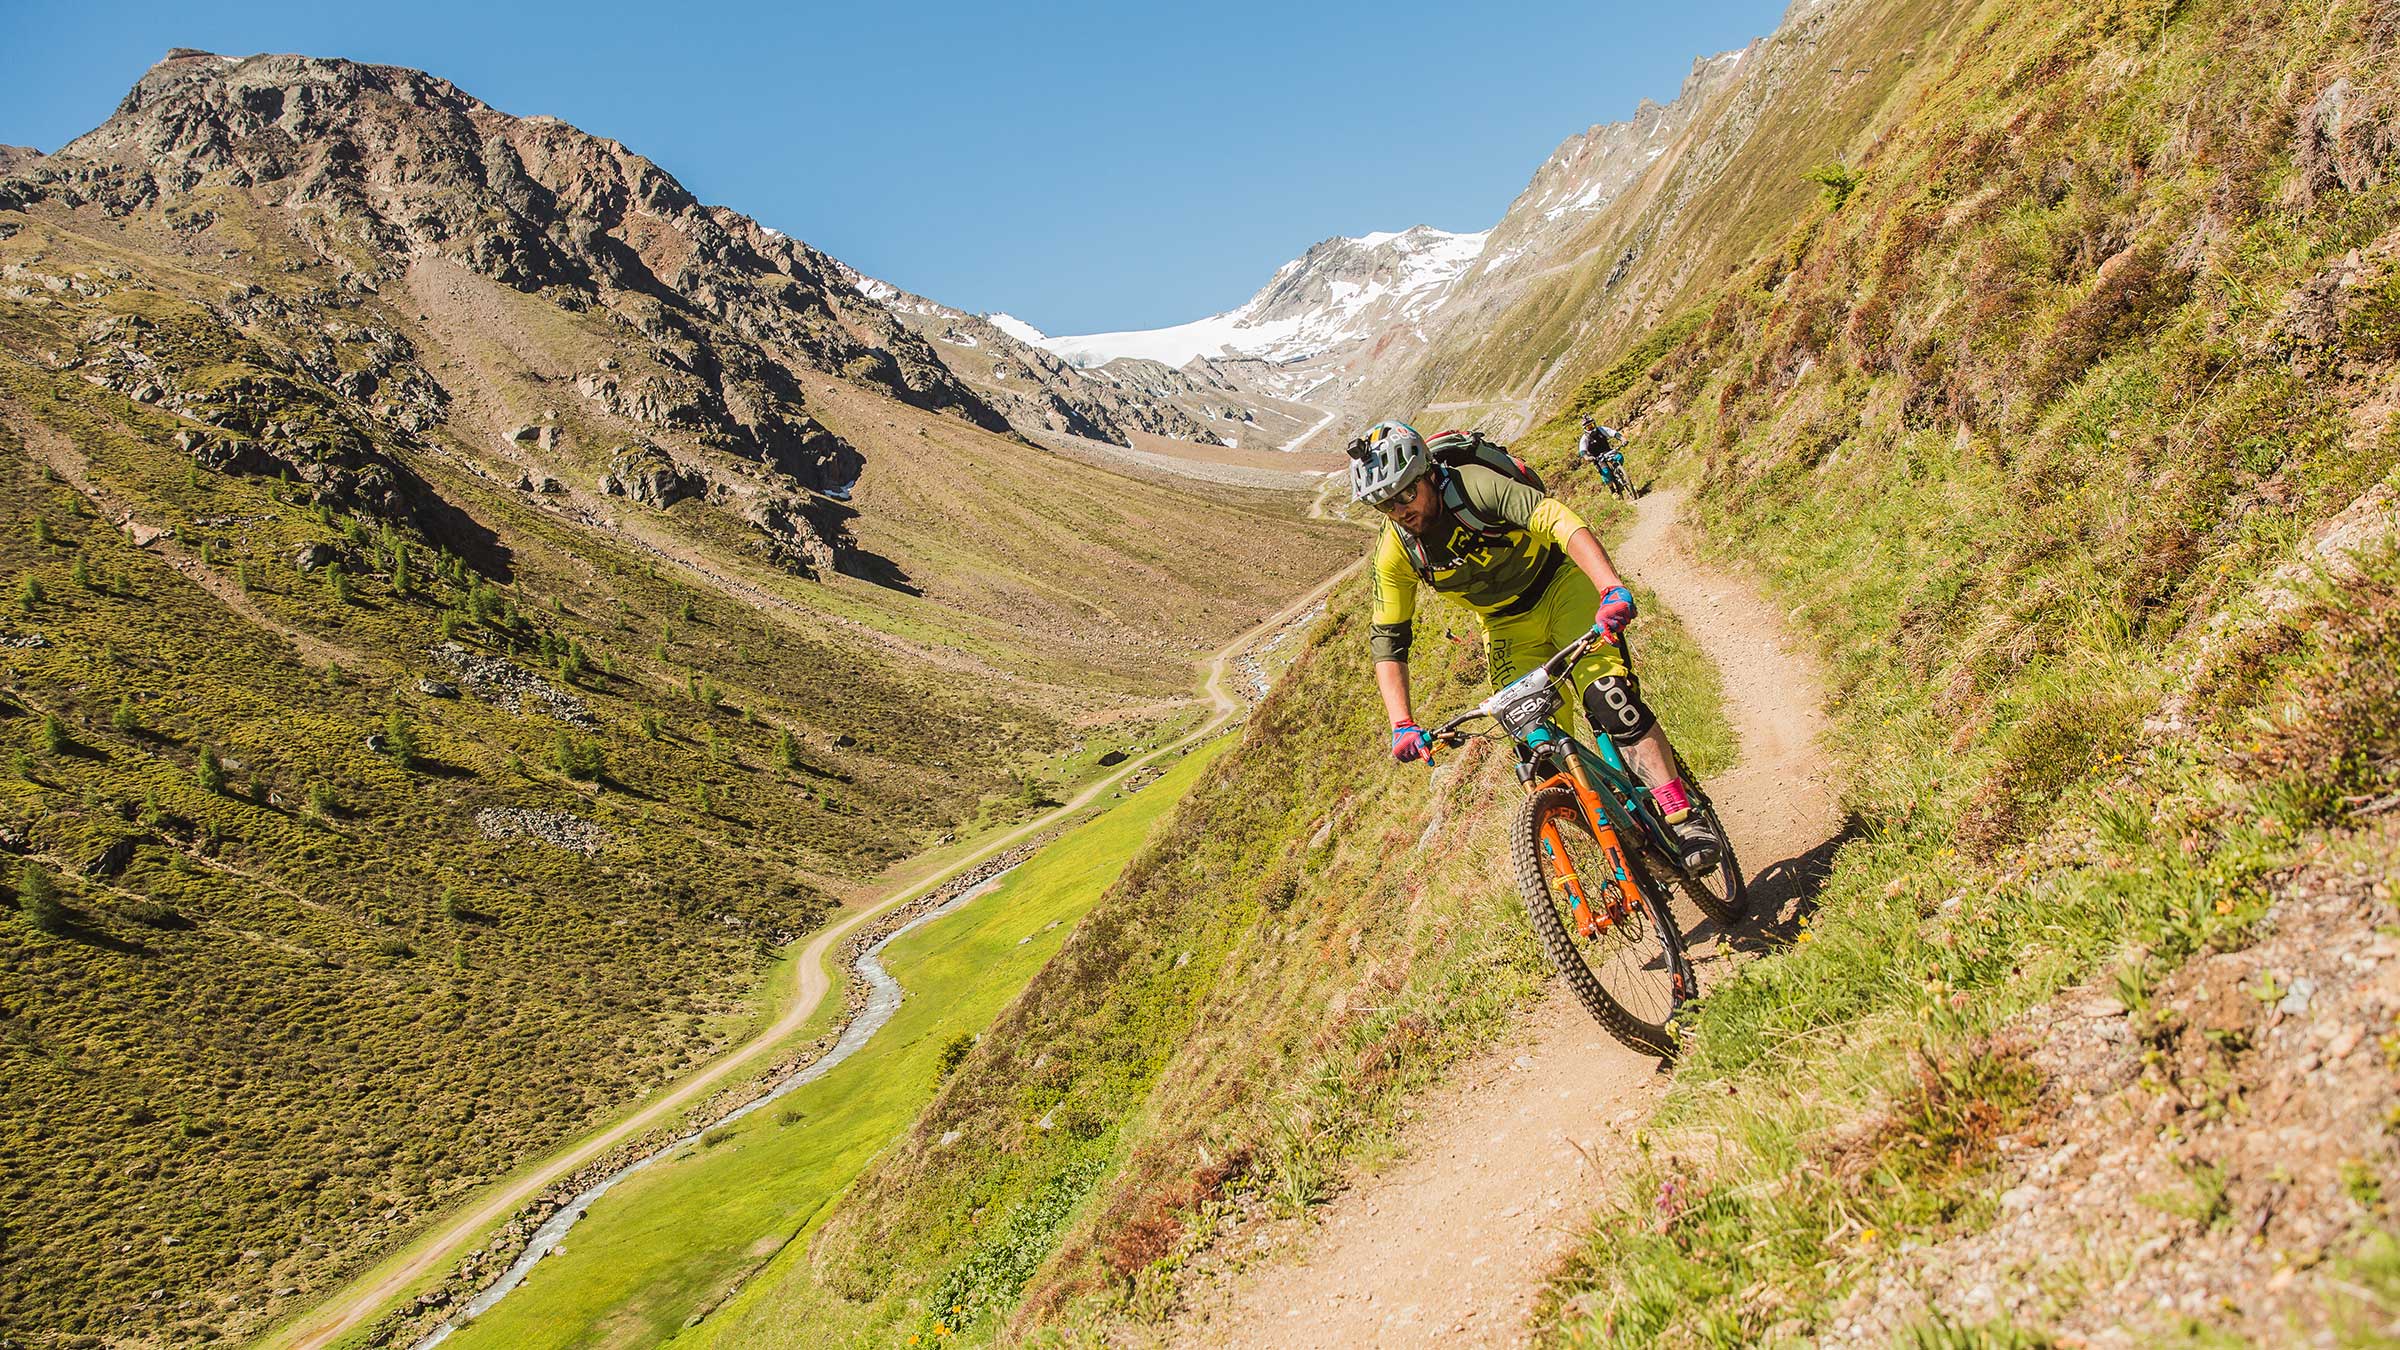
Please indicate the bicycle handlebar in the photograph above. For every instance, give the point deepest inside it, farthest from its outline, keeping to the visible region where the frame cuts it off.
(1559, 663)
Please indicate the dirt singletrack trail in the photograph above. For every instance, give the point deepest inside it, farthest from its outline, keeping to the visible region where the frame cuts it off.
(1451, 1245)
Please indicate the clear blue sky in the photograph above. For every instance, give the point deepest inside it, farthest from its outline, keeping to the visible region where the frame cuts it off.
(1082, 166)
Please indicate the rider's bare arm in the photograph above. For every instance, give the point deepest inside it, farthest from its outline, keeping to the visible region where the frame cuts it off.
(1391, 677)
(1584, 550)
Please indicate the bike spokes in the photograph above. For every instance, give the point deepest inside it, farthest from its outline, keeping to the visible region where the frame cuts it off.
(1589, 903)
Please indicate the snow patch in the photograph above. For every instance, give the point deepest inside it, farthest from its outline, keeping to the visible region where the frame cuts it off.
(1413, 271)
(1017, 328)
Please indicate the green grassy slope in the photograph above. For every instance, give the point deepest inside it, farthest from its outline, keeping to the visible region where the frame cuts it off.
(680, 1236)
(313, 1002)
(1247, 1006)
(2028, 430)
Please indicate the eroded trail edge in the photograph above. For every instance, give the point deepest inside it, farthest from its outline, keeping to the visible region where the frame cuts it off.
(1503, 1160)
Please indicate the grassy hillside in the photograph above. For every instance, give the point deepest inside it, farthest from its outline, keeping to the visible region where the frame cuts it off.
(1313, 932)
(682, 1236)
(2043, 424)
(380, 822)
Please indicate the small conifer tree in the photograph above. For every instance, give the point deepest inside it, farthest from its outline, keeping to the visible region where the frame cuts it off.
(577, 758)
(54, 735)
(39, 896)
(29, 593)
(399, 741)
(211, 772)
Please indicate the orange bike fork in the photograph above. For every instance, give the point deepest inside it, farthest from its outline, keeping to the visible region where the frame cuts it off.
(1590, 918)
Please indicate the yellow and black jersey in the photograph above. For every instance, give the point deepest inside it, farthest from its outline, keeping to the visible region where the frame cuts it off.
(1496, 575)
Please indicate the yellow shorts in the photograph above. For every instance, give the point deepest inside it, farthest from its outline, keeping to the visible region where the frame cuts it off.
(1518, 643)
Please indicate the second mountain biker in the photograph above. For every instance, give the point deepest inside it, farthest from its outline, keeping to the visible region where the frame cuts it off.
(1601, 448)
(1536, 577)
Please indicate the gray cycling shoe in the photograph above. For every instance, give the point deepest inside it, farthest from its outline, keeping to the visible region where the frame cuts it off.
(1699, 844)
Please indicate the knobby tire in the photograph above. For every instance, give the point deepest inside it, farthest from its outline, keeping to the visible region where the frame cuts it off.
(1549, 922)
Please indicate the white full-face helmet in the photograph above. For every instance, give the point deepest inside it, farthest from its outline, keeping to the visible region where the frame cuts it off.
(1386, 461)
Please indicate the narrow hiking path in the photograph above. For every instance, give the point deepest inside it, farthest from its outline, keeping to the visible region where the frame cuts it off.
(1503, 1160)
(352, 1306)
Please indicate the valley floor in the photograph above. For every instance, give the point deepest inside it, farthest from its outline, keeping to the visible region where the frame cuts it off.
(1504, 1161)
(430, 1256)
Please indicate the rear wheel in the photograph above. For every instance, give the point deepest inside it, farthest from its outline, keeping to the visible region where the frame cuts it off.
(1622, 957)
(1720, 893)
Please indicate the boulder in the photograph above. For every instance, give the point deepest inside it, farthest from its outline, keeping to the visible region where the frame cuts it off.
(112, 860)
(433, 688)
(219, 452)
(313, 556)
(648, 475)
(791, 537)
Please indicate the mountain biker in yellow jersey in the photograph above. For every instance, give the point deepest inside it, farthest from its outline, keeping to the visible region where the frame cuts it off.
(1502, 546)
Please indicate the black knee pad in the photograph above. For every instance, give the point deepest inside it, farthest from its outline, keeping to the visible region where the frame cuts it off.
(1613, 704)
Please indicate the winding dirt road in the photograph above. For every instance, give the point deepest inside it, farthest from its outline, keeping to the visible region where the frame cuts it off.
(1452, 1244)
(361, 1301)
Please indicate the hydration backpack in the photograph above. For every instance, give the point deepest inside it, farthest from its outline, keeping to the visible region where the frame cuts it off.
(1449, 452)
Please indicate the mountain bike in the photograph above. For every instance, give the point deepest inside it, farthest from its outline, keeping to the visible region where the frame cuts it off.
(1597, 866)
(1614, 475)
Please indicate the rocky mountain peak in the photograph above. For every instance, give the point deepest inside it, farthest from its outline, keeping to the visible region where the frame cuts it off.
(1591, 170)
(403, 166)
(1347, 278)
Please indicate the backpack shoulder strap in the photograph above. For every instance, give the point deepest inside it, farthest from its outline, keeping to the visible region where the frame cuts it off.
(1454, 497)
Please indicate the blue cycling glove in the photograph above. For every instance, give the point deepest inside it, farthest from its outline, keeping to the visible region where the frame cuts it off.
(1616, 611)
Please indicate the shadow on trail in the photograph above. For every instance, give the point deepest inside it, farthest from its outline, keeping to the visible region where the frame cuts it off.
(1782, 894)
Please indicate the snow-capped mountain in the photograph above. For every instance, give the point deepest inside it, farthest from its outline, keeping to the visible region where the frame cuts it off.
(1341, 291)
(1043, 393)
(1310, 334)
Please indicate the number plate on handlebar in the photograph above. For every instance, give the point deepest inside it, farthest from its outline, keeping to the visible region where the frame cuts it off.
(1525, 704)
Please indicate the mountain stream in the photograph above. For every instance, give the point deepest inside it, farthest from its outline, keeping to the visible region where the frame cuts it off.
(883, 1000)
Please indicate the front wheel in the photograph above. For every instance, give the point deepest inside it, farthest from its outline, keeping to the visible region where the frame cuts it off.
(1619, 952)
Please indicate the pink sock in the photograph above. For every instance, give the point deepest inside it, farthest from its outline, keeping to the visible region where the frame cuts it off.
(1672, 802)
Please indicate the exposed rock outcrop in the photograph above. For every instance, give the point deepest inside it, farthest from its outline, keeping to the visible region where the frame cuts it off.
(647, 474)
(407, 165)
(503, 683)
